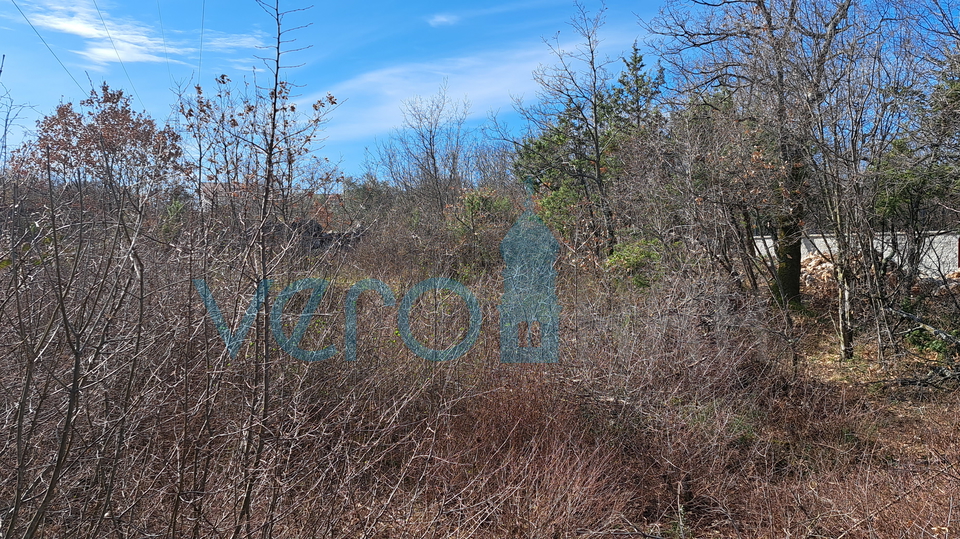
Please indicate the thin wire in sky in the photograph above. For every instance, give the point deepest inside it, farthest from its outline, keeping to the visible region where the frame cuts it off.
(48, 47)
(107, 30)
(203, 15)
(99, 132)
(163, 38)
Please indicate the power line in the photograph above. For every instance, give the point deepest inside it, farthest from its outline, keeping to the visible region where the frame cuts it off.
(107, 30)
(48, 47)
(163, 37)
(82, 91)
(203, 16)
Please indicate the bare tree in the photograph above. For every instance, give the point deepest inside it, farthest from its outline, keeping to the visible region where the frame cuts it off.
(431, 155)
(570, 144)
(86, 185)
(824, 80)
(863, 106)
(771, 56)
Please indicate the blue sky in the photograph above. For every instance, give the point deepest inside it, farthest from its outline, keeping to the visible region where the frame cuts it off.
(370, 55)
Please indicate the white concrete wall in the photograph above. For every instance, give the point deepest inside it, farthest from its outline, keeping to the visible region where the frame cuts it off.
(941, 255)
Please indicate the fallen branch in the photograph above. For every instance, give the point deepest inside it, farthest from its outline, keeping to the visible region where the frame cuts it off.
(938, 333)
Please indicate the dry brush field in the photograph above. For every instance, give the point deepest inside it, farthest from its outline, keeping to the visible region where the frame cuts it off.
(692, 408)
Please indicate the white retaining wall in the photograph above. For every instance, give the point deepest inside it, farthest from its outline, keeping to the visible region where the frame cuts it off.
(941, 256)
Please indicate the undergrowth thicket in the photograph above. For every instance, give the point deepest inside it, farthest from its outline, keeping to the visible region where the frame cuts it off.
(676, 410)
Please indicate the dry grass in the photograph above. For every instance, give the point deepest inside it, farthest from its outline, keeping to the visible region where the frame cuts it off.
(676, 411)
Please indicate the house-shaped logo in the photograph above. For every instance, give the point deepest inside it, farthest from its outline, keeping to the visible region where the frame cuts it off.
(529, 312)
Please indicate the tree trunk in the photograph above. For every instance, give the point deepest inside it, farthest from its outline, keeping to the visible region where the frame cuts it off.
(845, 311)
(787, 249)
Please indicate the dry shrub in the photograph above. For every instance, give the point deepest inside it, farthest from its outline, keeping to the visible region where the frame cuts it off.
(677, 410)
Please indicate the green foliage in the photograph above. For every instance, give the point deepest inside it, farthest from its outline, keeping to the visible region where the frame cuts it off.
(918, 174)
(483, 204)
(908, 184)
(368, 198)
(173, 219)
(640, 260)
(584, 129)
(558, 209)
(481, 219)
(925, 342)
(632, 104)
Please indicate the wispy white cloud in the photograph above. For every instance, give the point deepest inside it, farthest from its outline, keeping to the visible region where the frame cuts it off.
(447, 18)
(223, 42)
(443, 19)
(373, 100)
(489, 80)
(108, 39)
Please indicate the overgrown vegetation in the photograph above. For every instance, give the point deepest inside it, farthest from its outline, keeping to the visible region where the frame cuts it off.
(697, 392)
